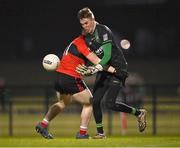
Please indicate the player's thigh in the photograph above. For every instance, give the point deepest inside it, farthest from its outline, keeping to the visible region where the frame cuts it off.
(64, 99)
(66, 84)
(100, 87)
(114, 94)
(83, 97)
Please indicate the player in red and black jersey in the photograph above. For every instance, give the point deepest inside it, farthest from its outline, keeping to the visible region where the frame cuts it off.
(70, 86)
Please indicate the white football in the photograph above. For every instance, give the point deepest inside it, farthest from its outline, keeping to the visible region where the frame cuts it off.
(50, 62)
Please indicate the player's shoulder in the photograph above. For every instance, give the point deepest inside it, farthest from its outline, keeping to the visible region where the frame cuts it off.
(103, 27)
(79, 39)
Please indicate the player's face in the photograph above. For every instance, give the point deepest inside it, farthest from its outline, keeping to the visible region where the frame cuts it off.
(87, 24)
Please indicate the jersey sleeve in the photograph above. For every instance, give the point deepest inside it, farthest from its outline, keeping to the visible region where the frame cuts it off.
(107, 48)
(106, 41)
(81, 46)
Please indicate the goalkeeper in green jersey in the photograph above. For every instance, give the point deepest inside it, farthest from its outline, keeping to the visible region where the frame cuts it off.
(100, 40)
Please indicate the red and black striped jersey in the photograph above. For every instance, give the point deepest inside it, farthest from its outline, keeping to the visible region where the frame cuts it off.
(74, 54)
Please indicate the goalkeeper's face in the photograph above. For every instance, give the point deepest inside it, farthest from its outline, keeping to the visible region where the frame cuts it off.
(88, 25)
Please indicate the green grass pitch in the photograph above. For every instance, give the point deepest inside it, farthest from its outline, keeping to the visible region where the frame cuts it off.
(65, 126)
(121, 141)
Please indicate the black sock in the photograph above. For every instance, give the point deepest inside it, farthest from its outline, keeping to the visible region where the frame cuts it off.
(99, 127)
(135, 112)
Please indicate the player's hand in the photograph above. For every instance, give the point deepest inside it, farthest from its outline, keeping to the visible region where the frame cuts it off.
(93, 69)
(83, 70)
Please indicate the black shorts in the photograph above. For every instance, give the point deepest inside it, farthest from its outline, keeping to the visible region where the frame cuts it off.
(66, 84)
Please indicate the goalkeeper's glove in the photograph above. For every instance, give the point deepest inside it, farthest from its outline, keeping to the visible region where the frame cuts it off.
(94, 69)
(84, 70)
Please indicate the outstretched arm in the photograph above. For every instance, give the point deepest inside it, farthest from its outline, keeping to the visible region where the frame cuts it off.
(92, 57)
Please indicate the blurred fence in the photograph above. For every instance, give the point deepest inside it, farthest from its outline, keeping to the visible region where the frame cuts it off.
(22, 107)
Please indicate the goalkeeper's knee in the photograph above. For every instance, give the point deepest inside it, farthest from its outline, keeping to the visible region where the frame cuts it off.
(113, 106)
(110, 105)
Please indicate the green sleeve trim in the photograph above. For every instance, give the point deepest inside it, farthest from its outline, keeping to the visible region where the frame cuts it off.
(108, 41)
(107, 53)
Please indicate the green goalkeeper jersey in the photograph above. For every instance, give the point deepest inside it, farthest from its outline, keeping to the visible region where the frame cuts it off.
(102, 42)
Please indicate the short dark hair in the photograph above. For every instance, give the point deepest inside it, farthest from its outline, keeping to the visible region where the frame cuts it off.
(85, 13)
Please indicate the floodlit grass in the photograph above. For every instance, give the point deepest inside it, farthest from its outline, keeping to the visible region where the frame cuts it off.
(68, 124)
(133, 141)
(27, 115)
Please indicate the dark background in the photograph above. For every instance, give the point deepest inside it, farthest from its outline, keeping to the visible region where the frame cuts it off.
(30, 29)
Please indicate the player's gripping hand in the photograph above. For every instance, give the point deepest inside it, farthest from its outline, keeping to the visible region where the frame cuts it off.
(84, 70)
